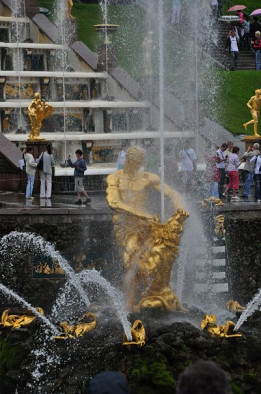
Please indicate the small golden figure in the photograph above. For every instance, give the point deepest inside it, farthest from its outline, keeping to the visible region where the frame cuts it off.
(254, 106)
(209, 325)
(38, 110)
(149, 247)
(234, 306)
(79, 329)
(68, 8)
(17, 321)
(209, 200)
(220, 226)
(138, 334)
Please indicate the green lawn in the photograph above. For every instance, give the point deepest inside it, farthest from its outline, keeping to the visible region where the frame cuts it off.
(250, 4)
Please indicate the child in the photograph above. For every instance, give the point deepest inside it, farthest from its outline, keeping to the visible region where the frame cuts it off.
(79, 167)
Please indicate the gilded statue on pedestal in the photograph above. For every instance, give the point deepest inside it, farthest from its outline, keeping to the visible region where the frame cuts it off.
(38, 110)
(149, 247)
(254, 106)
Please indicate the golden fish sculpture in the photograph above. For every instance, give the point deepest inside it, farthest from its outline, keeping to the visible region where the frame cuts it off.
(138, 333)
(212, 199)
(234, 306)
(208, 324)
(79, 329)
(18, 321)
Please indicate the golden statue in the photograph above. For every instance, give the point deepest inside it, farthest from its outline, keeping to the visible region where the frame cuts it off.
(149, 47)
(149, 247)
(80, 328)
(220, 226)
(234, 306)
(138, 334)
(38, 110)
(254, 106)
(68, 8)
(209, 325)
(17, 321)
(212, 199)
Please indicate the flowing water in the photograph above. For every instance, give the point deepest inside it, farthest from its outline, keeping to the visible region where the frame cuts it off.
(251, 307)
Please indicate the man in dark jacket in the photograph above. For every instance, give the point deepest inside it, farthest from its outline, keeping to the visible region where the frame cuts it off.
(255, 26)
(79, 167)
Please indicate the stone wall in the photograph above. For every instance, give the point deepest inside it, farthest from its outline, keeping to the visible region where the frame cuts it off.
(85, 240)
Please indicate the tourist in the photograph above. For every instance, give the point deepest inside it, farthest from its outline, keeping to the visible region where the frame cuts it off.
(212, 175)
(30, 168)
(188, 159)
(203, 377)
(109, 383)
(176, 9)
(232, 169)
(255, 26)
(220, 163)
(121, 157)
(79, 168)
(256, 161)
(246, 27)
(46, 172)
(256, 45)
(251, 152)
(232, 44)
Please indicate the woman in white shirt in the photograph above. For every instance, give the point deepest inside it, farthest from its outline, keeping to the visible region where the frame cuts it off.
(256, 161)
(232, 169)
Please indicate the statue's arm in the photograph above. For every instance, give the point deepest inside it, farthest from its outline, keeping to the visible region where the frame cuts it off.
(249, 103)
(174, 196)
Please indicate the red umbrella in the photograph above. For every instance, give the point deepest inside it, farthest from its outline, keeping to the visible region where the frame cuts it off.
(236, 8)
(256, 12)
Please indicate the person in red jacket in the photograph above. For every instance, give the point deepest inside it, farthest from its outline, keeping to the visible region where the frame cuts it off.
(256, 44)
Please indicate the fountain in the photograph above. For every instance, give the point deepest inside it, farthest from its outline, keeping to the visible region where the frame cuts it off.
(139, 294)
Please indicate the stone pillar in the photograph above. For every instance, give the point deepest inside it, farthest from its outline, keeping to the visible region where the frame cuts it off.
(107, 53)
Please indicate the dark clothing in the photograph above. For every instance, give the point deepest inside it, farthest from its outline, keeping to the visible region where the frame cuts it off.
(257, 178)
(221, 182)
(79, 167)
(255, 26)
(109, 383)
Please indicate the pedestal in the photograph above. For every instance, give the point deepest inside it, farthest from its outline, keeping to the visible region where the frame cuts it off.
(107, 53)
(250, 140)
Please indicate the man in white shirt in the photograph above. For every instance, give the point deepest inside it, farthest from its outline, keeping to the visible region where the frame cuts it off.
(188, 159)
(232, 45)
(221, 160)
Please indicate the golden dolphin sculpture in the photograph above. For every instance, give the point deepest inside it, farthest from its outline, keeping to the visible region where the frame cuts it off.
(234, 306)
(17, 321)
(208, 324)
(79, 329)
(138, 334)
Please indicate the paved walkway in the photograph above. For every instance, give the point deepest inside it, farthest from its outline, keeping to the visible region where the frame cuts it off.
(17, 200)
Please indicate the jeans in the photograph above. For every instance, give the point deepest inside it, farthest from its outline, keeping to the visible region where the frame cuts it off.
(234, 58)
(257, 178)
(258, 60)
(249, 179)
(212, 189)
(30, 185)
(46, 185)
(221, 181)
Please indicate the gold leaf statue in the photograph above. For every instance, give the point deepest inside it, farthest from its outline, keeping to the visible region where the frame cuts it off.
(78, 329)
(149, 248)
(254, 105)
(234, 306)
(220, 226)
(17, 321)
(38, 110)
(68, 8)
(138, 334)
(226, 330)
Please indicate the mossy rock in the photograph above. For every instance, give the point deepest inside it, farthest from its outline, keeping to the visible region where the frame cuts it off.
(11, 357)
